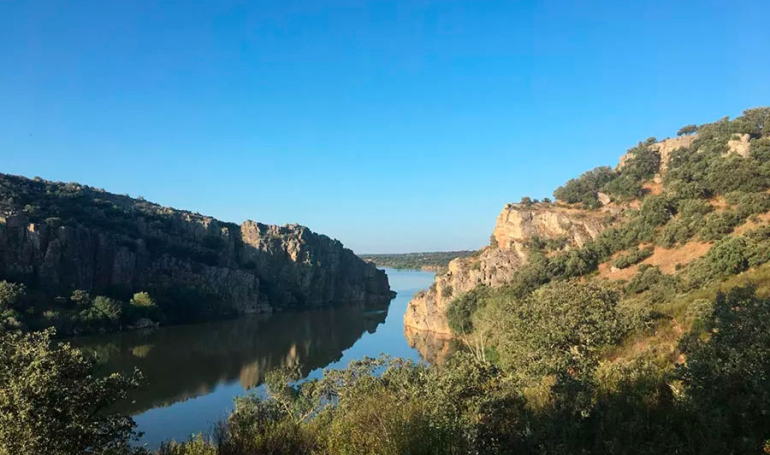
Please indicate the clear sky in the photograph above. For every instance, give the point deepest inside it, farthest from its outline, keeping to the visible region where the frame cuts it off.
(392, 126)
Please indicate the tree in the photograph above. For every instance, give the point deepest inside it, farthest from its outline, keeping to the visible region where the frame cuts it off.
(585, 186)
(687, 129)
(52, 403)
(81, 298)
(726, 374)
(460, 310)
(558, 329)
(11, 294)
(142, 299)
(106, 309)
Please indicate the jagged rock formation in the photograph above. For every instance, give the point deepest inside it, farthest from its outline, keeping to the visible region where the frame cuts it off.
(59, 237)
(739, 145)
(665, 148)
(517, 224)
(495, 265)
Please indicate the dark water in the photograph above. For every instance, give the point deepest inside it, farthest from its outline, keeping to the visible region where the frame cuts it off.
(195, 371)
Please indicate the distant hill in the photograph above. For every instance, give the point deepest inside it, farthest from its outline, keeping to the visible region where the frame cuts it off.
(434, 261)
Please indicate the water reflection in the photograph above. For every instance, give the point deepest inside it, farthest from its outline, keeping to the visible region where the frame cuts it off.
(189, 361)
(194, 372)
(433, 348)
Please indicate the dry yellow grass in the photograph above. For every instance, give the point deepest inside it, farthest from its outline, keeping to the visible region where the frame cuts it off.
(665, 258)
(749, 225)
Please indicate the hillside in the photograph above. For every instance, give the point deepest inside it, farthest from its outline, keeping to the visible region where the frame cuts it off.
(630, 316)
(665, 205)
(69, 244)
(432, 261)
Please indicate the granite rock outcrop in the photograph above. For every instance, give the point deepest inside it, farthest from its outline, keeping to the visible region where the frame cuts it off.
(59, 237)
(495, 265)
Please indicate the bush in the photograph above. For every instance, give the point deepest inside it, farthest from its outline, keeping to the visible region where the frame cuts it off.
(655, 211)
(634, 256)
(460, 311)
(624, 187)
(558, 328)
(729, 256)
(643, 164)
(142, 299)
(657, 284)
(717, 225)
(52, 402)
(584, 188)
(749, 203)
(11, 295)
(725, 377)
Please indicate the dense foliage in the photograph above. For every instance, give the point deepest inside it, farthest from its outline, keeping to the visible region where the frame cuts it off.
(51, 403)
(547, 394)
(81, 313)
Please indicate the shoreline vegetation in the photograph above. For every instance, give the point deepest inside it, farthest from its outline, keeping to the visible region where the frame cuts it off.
(436, 261)
(557, 361)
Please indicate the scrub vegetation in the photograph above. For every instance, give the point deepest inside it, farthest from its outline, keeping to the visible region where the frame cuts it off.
(558, 361)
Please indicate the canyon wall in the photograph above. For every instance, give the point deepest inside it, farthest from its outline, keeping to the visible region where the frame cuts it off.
(61, 237)
(495, 265)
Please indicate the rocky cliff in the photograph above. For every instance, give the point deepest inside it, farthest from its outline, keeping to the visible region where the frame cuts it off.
(58, 237)
(494, 266)
(565, 226)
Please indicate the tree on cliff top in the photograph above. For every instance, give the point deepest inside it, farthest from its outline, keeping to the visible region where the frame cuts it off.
(687, 129)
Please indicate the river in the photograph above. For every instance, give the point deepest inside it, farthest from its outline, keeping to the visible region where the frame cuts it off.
(194, 372)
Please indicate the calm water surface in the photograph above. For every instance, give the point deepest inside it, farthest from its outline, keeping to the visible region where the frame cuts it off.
(195, 371)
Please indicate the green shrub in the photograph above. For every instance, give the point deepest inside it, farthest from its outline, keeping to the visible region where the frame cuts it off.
(655, 283)
(725, 376)
(11, 295)
(655, 211)
(634, 256)
(52, 402)
(643, 164)
(559, 327)
(717, 225)
(624, 187)
(584, 188)
(459, 312)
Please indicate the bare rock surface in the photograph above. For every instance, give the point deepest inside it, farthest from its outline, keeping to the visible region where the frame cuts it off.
(495, 265)
(59, 237)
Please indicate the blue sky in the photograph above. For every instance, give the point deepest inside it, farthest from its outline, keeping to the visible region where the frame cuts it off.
(392, 126)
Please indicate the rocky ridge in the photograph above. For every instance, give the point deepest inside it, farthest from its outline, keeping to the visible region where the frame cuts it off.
(495, 265)
(517, 225)
(59, 237)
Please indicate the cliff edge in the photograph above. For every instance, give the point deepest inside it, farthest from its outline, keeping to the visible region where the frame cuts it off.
(517, 225)
(59, 237)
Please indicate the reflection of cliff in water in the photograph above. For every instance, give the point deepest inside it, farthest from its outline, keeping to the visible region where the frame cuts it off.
(183, 362)
(434, 348)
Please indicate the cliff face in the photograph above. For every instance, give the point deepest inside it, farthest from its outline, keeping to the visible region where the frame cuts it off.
(61, 237)
(665, 148)
(494, 266)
